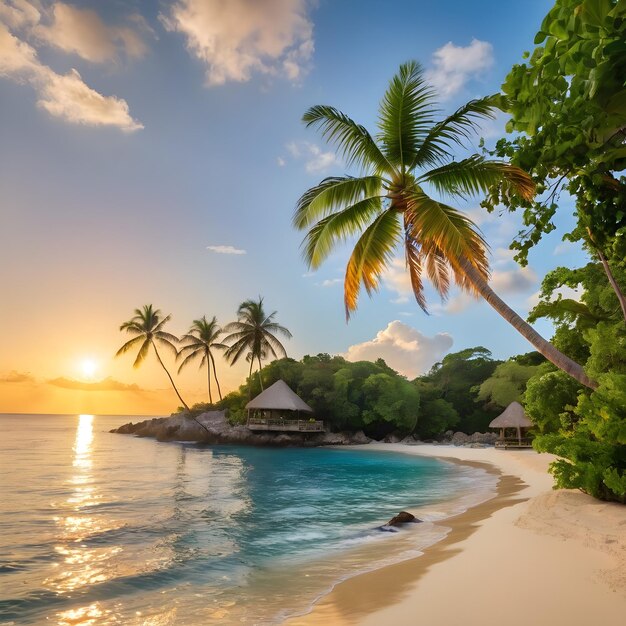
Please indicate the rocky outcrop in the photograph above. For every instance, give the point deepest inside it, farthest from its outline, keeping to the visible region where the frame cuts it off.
(476, 440)
(212, 427)
(403, 518)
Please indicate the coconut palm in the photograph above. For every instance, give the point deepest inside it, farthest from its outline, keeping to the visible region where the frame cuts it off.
(147, 326)
(389, 203)
(201, 340)
(253, 335)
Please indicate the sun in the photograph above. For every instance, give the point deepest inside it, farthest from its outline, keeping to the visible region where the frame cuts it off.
(88, 368)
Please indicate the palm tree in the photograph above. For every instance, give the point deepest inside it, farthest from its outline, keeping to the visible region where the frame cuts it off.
(253, 335)
(389, 204)
(201, 339)
(147, 326)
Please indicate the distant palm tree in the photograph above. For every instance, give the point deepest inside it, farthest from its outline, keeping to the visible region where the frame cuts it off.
(253, 336)
(201, 339)
(147, 326)
(389, 204)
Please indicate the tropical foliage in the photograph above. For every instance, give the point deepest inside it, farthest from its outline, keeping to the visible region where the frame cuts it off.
(586, 428)
(146, 326)
(200, 343)
(388, 205)
(253, 335)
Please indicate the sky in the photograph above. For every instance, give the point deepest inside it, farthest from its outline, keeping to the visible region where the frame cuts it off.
(153, 153)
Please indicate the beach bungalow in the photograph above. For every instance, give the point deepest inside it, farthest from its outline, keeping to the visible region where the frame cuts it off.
(279, 408)
(513, 417)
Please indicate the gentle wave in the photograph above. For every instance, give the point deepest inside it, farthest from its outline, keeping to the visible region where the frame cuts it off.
(117, 529)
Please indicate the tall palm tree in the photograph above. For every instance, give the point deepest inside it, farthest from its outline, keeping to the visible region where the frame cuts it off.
(253, 335)
(201, 339)
(147, 326)
(390, 203)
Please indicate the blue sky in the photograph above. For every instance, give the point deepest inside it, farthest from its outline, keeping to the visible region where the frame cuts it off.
(137, 134)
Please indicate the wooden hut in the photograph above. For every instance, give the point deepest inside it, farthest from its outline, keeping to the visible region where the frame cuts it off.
(279, 408)
(513, 418)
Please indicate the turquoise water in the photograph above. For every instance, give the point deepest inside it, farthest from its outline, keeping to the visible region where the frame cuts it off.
(98, 528)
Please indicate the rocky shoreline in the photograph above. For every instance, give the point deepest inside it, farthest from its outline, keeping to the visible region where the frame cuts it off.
(213, 427)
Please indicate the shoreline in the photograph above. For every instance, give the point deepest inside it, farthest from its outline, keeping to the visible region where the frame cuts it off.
(527, 555)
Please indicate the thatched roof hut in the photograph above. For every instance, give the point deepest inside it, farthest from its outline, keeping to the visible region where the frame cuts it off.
(513, 416)
(279, 397)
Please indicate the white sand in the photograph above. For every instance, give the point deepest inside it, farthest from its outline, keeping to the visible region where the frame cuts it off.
(550, 558)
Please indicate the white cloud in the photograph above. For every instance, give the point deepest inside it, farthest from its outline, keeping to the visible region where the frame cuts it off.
(225, 250)
(82, 32)
(62, 95)
(316, 160)
(564, 247)
(18, 13)
(564, 292)
(281, 162)
(403, 348)
(455, 65)
(237, 38)
(396, 278)
(330, 282)
(515, 281)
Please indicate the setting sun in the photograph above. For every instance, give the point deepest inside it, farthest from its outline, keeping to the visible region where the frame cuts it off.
(88, 368)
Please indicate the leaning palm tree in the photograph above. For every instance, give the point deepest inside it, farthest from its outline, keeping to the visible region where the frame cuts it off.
(147, 326)
(389, 203)
(201, 340)
(253, 335)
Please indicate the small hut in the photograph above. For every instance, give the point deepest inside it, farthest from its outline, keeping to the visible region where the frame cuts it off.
(279, 408)
(513, 417)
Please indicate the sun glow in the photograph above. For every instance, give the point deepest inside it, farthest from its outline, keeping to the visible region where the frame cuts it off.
(88, 368)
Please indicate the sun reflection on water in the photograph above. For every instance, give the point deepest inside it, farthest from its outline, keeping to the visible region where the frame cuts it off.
(82, 565)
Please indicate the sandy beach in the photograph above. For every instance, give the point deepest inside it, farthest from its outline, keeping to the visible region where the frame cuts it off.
(530, 555)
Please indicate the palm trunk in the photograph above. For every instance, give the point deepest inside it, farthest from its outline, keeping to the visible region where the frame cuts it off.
(208, 375)
(169, 376)
(250, 380)
(260, 378)
(217, 382)
(544, 347)
(616, 288)
(609, 274)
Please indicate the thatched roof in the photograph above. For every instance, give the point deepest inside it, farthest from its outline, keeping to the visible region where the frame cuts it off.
(512, 417)
(279, 397)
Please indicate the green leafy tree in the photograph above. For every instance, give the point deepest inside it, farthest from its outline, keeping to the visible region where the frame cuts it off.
(389, 205)
(201, 341)
(436, 415)
(507, 384)
(568, 110)
(390, 400)
(458, 377)
(147, 327)
(586, 428)
(253, 335)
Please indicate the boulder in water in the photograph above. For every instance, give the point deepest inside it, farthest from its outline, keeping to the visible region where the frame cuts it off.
(403, 518)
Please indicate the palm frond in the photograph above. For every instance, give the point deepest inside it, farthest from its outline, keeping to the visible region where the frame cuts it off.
(414, 265)
(406, 115)
(128, 345)
(332, 193)
(453, 131)
(476, 175)
(454, 235)
(353, 141)
(337, 227)
(143, 353)
(192, 356)
(371, 255)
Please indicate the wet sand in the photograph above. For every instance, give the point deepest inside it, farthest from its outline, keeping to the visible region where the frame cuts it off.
(529, 555)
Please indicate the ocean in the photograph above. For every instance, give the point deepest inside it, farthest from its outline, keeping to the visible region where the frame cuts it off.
(99, 528)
